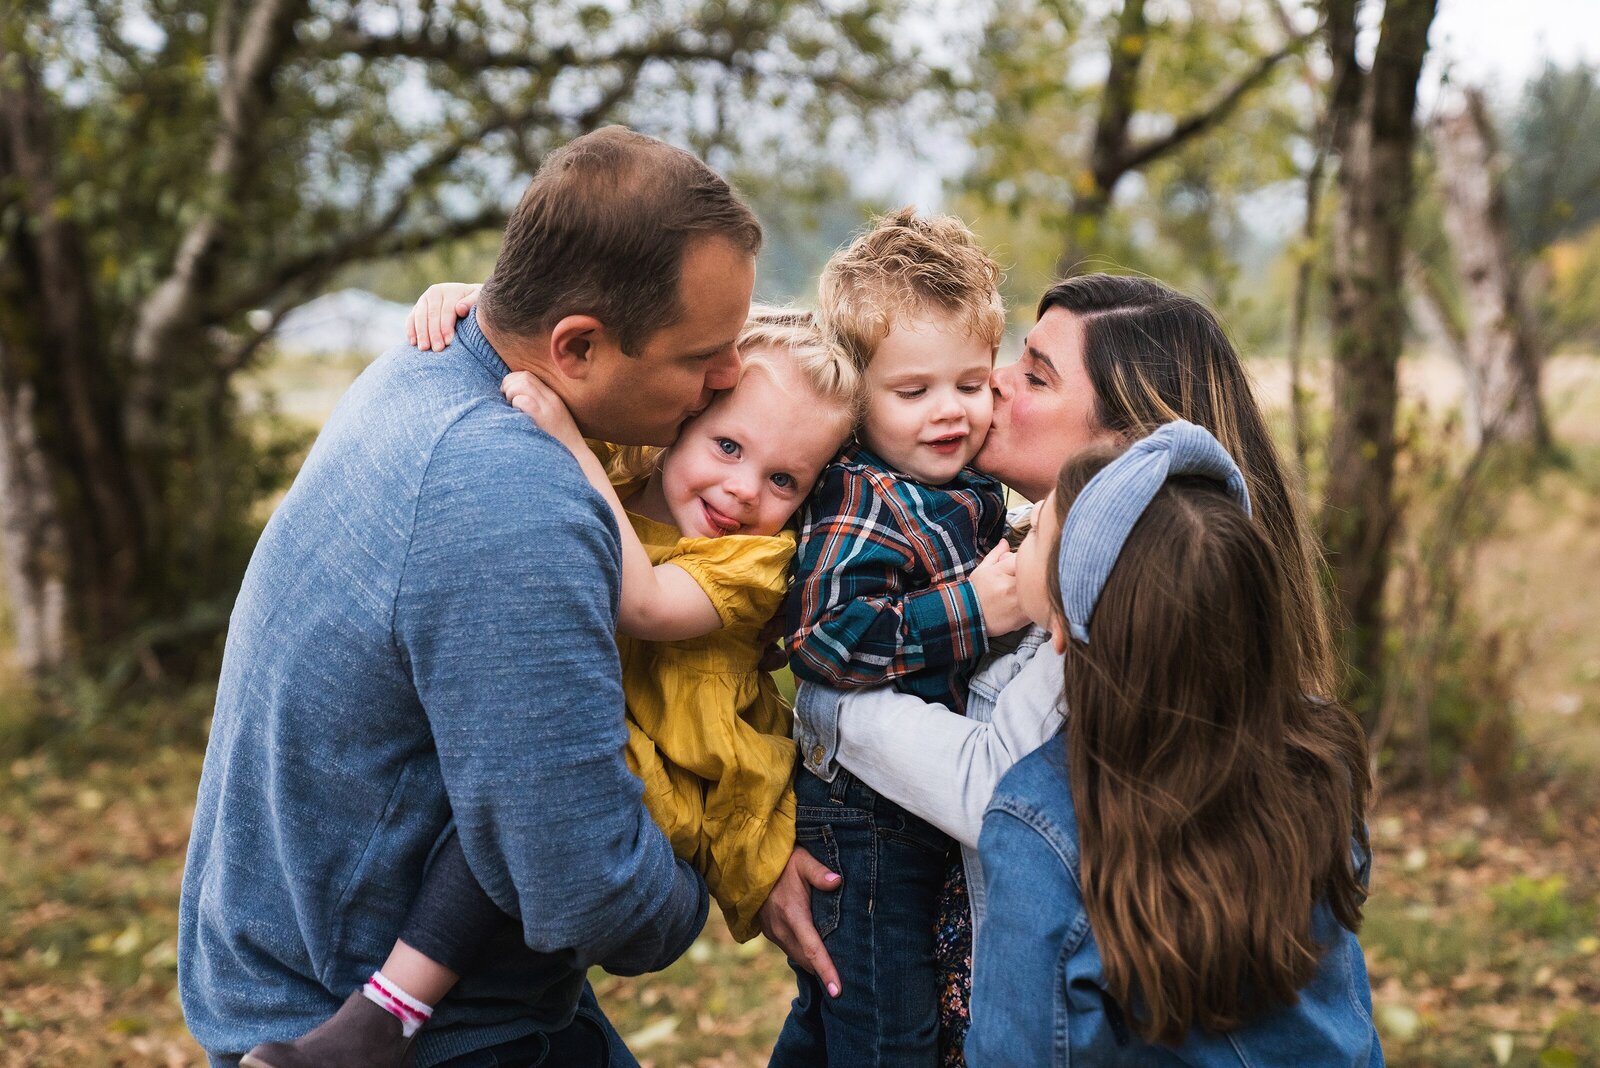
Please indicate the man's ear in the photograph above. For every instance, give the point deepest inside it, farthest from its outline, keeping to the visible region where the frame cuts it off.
(572, 345)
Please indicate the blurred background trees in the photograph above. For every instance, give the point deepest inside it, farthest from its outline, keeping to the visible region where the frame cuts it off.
(177, 177)
(174, 177)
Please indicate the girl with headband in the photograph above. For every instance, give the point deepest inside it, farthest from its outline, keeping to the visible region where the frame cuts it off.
(1178, 876)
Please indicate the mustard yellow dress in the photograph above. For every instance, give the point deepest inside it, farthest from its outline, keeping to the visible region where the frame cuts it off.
(708, 731)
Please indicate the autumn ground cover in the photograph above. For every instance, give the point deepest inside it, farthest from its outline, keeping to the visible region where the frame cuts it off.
(1482, 932)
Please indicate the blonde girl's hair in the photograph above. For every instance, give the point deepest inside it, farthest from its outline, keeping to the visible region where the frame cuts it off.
(790, 334)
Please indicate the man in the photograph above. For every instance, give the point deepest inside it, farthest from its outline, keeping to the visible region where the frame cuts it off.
(425, 633)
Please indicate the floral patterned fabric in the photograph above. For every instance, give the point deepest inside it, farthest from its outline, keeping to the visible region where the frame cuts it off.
(953, 947)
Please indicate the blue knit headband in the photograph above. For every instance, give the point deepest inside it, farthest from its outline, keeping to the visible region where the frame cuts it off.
(1112, 502)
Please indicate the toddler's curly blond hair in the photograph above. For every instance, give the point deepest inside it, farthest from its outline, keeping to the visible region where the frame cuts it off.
(900, 267)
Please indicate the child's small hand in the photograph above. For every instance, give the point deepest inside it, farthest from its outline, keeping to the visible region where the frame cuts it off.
(539, 402)
(994, 581)
(431, 324)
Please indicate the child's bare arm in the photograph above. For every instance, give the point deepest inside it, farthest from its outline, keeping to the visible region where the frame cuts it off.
(660, 602)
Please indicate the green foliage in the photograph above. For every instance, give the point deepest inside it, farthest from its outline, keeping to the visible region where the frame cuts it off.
(1036, 96)
(1569, 306)
(374, 135)
(82, 720)
(1541, 906)
(403, 278)
(1446, 713)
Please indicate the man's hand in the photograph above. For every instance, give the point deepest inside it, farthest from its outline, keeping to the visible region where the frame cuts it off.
(785, 917)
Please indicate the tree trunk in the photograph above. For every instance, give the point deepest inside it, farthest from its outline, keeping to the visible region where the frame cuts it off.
(1093, 185)
(1299, 392)
(32, 541)
(60, 423)
(1502, 349)
(1374, 135)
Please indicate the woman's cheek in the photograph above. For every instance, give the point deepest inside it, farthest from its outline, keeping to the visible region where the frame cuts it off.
(1019, 410)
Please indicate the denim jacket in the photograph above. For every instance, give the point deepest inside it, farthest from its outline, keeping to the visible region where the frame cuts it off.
(1039, 989)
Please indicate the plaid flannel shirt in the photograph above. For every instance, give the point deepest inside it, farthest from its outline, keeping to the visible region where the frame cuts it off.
(882, 593)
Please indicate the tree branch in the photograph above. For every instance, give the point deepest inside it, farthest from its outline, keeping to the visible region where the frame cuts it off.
(1140, 155)
(375, 242)
(382, 238)
(244, 98)
(379, 238)
(1117, 101)
(470, 57)
(297, 280)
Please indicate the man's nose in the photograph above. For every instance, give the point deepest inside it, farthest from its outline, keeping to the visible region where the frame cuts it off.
(724, 370)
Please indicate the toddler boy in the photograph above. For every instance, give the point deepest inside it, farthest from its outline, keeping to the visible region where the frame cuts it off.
(889, 588)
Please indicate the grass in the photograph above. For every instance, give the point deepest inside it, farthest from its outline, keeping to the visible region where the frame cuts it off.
(90, 863)
(1481, 937)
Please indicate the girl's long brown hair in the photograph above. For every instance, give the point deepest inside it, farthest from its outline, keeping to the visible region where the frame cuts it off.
(1216, 800)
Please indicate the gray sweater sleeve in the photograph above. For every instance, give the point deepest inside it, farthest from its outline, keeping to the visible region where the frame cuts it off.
(506, 612)
(942, 766)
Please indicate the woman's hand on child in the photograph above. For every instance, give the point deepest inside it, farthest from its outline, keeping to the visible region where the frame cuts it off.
(539, 402)
(786, 918)
(994, 581)
(432, 323)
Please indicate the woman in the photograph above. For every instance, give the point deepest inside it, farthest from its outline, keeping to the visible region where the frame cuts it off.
(1110, 359)
(1174, 881)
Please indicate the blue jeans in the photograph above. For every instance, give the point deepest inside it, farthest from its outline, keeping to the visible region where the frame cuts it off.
(589, 1041)
(878, 927)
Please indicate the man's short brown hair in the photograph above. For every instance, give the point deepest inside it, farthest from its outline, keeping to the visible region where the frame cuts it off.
(601, 231)
(904, 266)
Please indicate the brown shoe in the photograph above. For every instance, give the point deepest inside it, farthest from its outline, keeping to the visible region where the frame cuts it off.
(360, 1035)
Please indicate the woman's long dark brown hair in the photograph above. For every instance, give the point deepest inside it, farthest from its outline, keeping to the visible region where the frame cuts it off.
(1216, 800)
(1156, 356)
